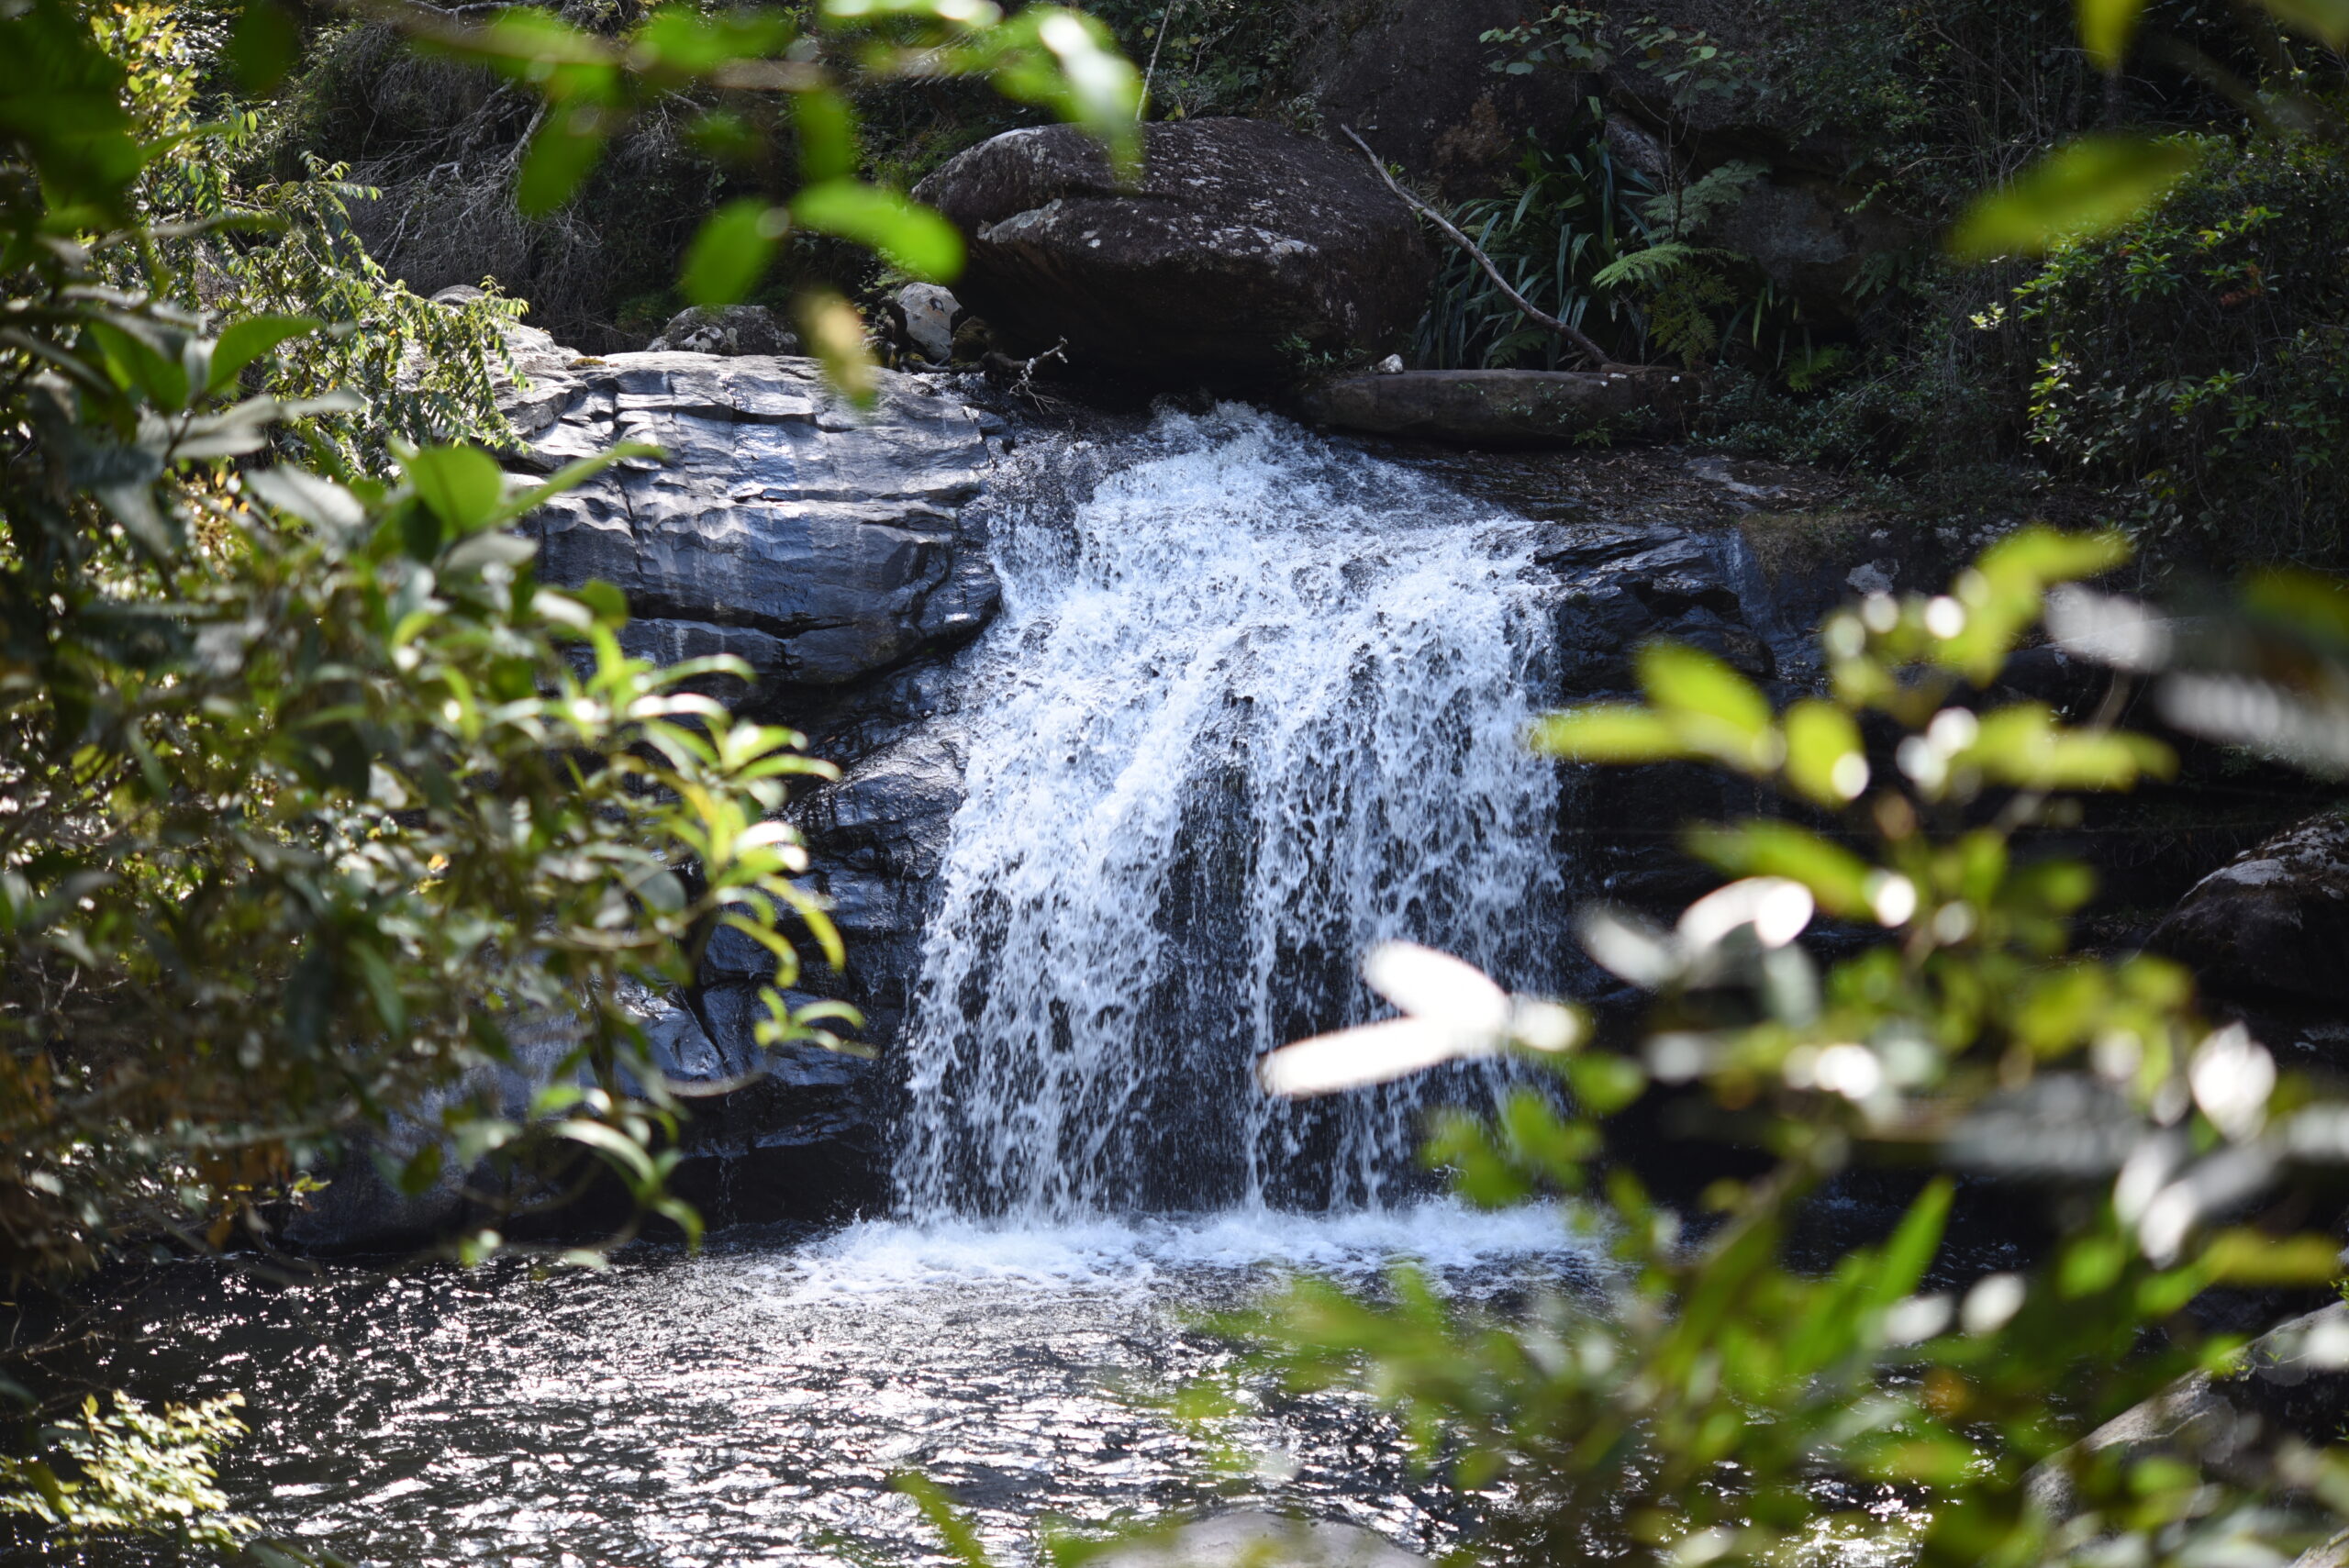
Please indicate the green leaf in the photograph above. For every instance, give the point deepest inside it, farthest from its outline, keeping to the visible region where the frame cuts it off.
(2106, 28)
(1066, 61)
(248, 339)
(1716, 710)
(912, 236)
(827, 127)
(561, 155)
(2085, 188)
(1837, 878)
(61, 101)
(463, 485)
(1824, 760)
(676, 41)
(264, 46)
(731, 253)
(830, 326)
(1604, 1083)
(1607, 732)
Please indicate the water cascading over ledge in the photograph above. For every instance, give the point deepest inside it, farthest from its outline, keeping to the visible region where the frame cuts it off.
(1255, 703)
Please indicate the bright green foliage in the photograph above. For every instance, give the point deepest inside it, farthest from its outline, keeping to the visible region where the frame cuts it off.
(310, 787)
(1715, 1397)
(2087, 186)
(1572, 214)
(422, 371)
(2191, 361)
(143, 1471)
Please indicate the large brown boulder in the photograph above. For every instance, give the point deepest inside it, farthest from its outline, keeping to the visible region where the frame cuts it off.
(2274, 920)
(1241, 251)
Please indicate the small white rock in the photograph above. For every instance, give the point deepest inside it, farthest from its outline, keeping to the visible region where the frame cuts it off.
(1391, 365)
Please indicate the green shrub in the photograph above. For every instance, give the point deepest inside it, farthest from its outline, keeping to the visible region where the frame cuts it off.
(2197, 362)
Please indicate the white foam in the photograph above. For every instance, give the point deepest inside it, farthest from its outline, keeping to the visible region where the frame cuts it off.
(1255, 704)
(880, 1259)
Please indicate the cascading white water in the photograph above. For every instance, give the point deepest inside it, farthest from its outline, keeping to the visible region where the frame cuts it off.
(1255, 703)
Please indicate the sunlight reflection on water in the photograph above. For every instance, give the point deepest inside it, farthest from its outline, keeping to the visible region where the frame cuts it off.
(750, 1405)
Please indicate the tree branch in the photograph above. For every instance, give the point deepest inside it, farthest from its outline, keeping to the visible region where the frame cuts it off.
(1582, 343)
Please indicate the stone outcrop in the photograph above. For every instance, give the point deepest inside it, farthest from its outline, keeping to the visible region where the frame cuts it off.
(1241, 248)
(727, 329)
(819, 542)
(800, 1107)
(1489, 409)
(1418, 83)
(2272, 922)
(2294, 1380)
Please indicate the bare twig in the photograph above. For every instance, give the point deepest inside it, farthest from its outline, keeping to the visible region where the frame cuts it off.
(1583, 342)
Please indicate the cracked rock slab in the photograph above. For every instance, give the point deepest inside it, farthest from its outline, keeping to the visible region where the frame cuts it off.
(817, 542)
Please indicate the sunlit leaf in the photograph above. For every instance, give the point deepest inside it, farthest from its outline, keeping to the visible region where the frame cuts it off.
(463, 485)
(1370, 1053)
(249, 337)
(912, 236)
(1607, 732)
(2085, 188)
(1437, 985)
(263, 46)
(731, 254)
(2106, 28)
(831, 327)
(563, 153)
(1824, 760)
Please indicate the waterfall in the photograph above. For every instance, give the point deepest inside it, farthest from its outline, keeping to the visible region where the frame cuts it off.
(1255, 702)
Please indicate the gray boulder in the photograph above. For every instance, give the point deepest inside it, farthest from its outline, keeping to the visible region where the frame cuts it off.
(2293, 1384)
(819, 542)
(924, 315)
(727, 329)
(1241, 247)
(1508, 408)
(2275, 920)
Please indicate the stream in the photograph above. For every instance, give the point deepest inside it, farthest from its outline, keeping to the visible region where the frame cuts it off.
(1255, 702)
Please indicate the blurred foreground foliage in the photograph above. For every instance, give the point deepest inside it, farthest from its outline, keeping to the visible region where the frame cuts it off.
(314, 804)
(1720, 1394)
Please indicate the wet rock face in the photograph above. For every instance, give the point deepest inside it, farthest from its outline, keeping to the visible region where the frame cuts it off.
(2272, 922)
(818, 543)
(1239, 238)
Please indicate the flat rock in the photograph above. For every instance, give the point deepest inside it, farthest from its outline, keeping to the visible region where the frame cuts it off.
(1508, 408)
(1240, 247)
(819, 542)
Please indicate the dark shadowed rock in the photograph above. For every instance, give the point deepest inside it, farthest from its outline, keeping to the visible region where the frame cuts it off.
(2294, 1380)
(815, 541)
(1417, 83)
(1242, 246)
(2275, 919)
(1508, 408)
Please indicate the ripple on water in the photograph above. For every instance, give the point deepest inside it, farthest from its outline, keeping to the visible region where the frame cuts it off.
(751, 1404)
